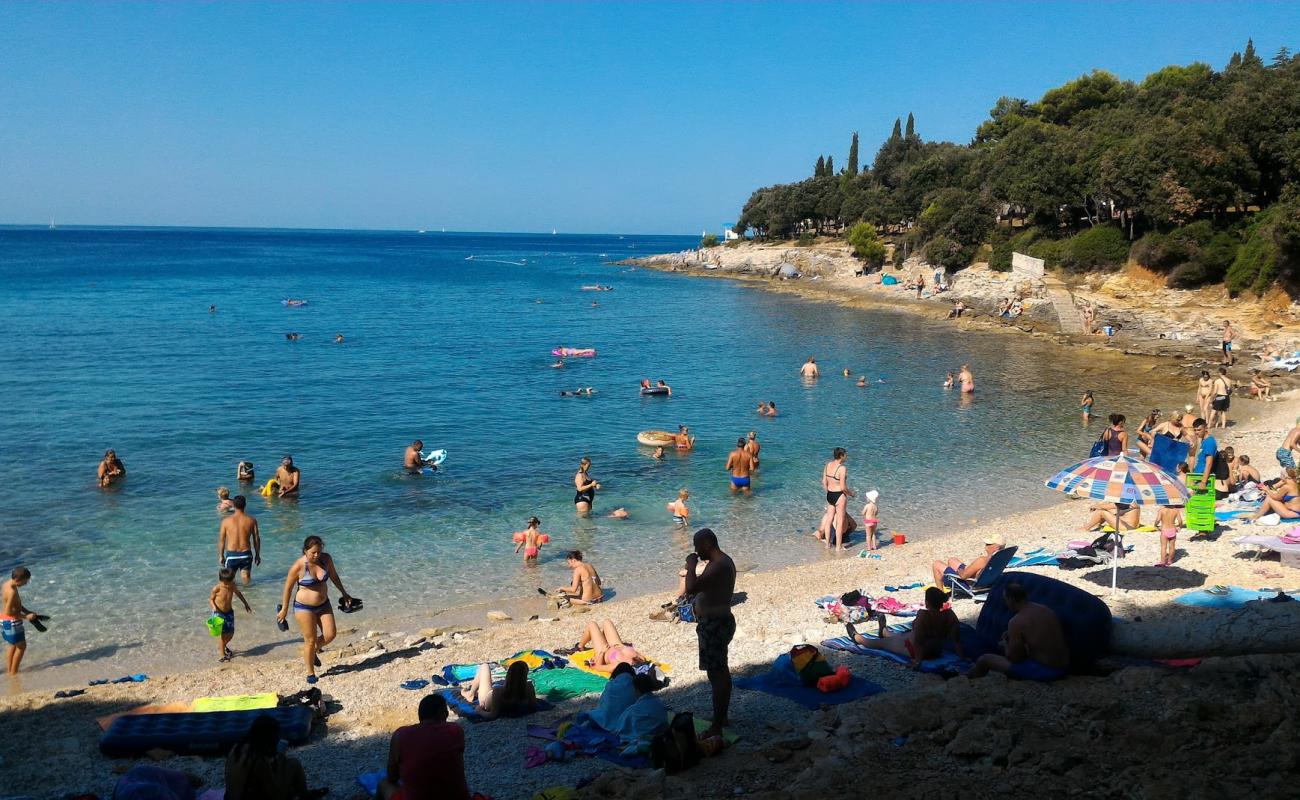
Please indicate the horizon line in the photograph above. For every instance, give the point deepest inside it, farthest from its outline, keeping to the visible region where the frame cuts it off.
(416, 231)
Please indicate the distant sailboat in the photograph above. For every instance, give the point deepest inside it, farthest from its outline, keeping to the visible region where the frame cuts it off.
(52, 225)
(552, 231)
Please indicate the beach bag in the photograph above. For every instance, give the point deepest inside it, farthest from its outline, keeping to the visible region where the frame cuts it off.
(809, 664)
(1099, 447)
(676, 749)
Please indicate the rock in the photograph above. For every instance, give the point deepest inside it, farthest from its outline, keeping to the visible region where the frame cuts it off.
(374, 634)
(414, 641)
(449, 630)
(498, 616)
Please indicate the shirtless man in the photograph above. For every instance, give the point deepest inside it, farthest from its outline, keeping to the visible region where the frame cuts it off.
(1034, 644)
(1228, 335)
(412, 461)
(585, 590)
(239, 541)
(12, 616)
(710, 594)
(1221, 399)
(111, 469)
(740, 464)
(1290, 446)
(954, 566)
(934, 627)
(809, 369)
(753, 447)
(288, 477)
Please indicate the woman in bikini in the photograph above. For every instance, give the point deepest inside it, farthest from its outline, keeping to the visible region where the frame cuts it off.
(585, 495)
(610, 651)
(835, 481)
(1204, 394)
(1283, 499)
(585, 588)
(306, 588)
(514, 697)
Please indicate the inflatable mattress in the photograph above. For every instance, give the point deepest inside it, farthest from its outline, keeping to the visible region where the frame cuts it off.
(197, 733)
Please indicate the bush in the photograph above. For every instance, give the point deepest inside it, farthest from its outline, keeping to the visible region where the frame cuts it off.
(1255, 266)
(950, 254)
(1102, 247)
(866, 244)
(709, 240)
(1047, 249)
(1006, 244)
(806, 239)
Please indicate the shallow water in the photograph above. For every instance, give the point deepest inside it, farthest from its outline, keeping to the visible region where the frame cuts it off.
(109, 343)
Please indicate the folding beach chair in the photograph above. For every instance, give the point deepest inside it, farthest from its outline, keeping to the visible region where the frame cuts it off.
(980, 586)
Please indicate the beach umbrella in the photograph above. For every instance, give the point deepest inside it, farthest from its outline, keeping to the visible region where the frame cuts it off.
(1120, 479)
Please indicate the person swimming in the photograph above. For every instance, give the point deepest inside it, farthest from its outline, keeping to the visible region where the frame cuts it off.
(862, 381)
(681, 514)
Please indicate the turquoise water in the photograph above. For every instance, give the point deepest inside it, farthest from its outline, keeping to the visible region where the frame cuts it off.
(109, 343)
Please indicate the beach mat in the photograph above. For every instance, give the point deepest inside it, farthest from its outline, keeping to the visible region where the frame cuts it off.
(567, 683)
(106, 722)
(467, 711)
(782, 681)
(947, 664)
(1235, 597)
(198, 733)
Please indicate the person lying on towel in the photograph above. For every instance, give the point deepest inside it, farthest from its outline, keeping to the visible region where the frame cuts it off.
(1034, 644)
(934, 627)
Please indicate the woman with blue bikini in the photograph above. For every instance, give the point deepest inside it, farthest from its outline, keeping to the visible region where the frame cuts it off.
(307, 585)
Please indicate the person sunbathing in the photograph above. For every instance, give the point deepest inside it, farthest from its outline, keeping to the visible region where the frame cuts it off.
(610, 651)
(1283, 500)
(516, 696)
(934, 627)
(954, 567)
(1106, 513)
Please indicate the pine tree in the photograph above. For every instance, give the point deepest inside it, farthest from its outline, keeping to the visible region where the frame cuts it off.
(898, 130)
(853, 154)
(911, 126)
(1282, 57)
(1235, 61)
(1249, 58)
(830, 165)
(820, 169)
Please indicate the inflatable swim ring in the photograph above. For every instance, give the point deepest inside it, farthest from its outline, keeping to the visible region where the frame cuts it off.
(272, 487)
(574, 352)
(293, 303)
(656, 438)
(435, 457)
(655, 391)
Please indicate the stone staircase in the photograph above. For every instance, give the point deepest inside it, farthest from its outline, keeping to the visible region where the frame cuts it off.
(1067, 313)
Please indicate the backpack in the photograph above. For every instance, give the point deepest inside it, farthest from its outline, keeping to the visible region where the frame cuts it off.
(676, 748)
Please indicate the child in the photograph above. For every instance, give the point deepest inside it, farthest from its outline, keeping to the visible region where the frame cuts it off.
(531, 541)
(1169, 520)
(947, 382)
(223, 606)
(12, 616)
(869, 522)
(225, 506)
(1086, 405)
(681, 514)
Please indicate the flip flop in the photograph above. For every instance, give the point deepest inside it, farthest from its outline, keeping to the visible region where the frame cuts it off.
(38, 625)
(311, 679)
(417, 683)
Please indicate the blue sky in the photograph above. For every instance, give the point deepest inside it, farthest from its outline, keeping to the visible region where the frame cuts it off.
(587, 117)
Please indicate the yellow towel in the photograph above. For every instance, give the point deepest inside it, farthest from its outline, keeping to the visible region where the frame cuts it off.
(579, 661)
(1140, 529)
(238, 702)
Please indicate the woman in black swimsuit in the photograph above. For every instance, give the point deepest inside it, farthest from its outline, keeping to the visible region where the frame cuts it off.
(585, 495)
(307, 585)
(835, 481)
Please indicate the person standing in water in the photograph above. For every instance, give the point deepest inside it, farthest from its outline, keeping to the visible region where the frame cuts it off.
(288, 477)
(1085, 405)
(1228, 335)
(306, 592)
(412, 460)
(585, 495)
(239, 541)
(13, 615)
(685, 441)
(681, 514)
(753, 446)
(111, 469)
(809, 369)
(740, 464)
(835, 477)
(967, 379)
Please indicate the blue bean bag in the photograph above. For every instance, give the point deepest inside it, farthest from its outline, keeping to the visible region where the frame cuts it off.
(197, 733)
(1084, 617)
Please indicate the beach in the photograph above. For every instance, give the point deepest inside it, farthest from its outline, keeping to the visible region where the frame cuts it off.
(364, 668)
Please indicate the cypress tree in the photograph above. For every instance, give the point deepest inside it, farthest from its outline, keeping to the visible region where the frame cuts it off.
(898, 130)
(830, 165)
(820, 169)
(853, 154)
(911, 125)
(1249, 58)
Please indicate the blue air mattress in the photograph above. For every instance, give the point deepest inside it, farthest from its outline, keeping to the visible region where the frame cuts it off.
(197, 733)
(1084, 618)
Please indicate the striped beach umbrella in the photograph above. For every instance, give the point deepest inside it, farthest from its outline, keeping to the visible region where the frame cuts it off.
(1120, 479)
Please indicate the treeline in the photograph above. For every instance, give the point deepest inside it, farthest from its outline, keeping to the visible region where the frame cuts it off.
(1193, 172)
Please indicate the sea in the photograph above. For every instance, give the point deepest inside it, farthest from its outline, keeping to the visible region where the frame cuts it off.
(170, 346)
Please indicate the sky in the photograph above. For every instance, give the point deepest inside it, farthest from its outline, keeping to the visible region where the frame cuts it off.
(584, 117)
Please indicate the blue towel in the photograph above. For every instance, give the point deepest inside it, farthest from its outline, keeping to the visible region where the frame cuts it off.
(1235, 598)
(1038, 557)
(369, 781)
(781, 680)
(456, 673)
(905, 586)
(586, 739)
(947, 664)
(1167, 453)
(1236, 513)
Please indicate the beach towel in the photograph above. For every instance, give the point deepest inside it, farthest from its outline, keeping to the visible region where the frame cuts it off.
(617, 697)
(467, 711)
(369, 781)
(904, 587)
(1230, 597)
(535, 659)
(579, 661)
(583, 738)
(1236, 513)
(1038, 557)
(239, 702)
(782, 681)
(567, 683)
(640, 723)
(1167, 453)
(947, 664)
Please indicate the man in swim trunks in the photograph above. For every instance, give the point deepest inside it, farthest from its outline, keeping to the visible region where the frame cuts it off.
(942, 570)
(13, 615)
(1228, 335)
(412, 461)
(585, 590)
(1034, 644)
(711, 593)
(809, 369)
(740, 464)
(239, 541)
(288, 477)
(1290, 444)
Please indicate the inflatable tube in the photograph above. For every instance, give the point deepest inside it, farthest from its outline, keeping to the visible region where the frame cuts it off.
(656, 439)
(655, 391)
(574, 352)
(293, 303)
(272, 487)
(434, 457)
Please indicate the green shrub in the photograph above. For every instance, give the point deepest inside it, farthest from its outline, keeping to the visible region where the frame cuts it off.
(1102, 247)
(806, 239)
(1006, 244)
(1047, 249)
(1255, 266)
(949, 253)
(866, 244)
(709, 240)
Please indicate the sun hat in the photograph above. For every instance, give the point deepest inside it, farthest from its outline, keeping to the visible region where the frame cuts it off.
(872, 496)
(995, 538)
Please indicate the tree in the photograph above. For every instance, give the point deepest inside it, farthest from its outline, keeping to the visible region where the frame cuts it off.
(853, 155)
(911, 127)
(830, 165)
(709, 240)
(898, 129)
(1248, 56)
(820, 169)
(1282, 56)
(866, 244)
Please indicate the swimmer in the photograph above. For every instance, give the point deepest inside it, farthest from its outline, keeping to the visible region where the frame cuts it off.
(740, 464)
(681, 514)
(529, 540)
(862, 381)
(947, 383)
(585, 495)
(111, 469)
(809, 369)
(288, 477)
(224, 506)
(846, 373)
(244, 472)
(967, 380)
(413, 461)
(659, 384)
(618, 513)
(338, 338)
(753, 447)
(658, 453)
(558, 364)
(762, 409)
(239, 540)
(771, 409)
(212, 309)
(684, 439)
